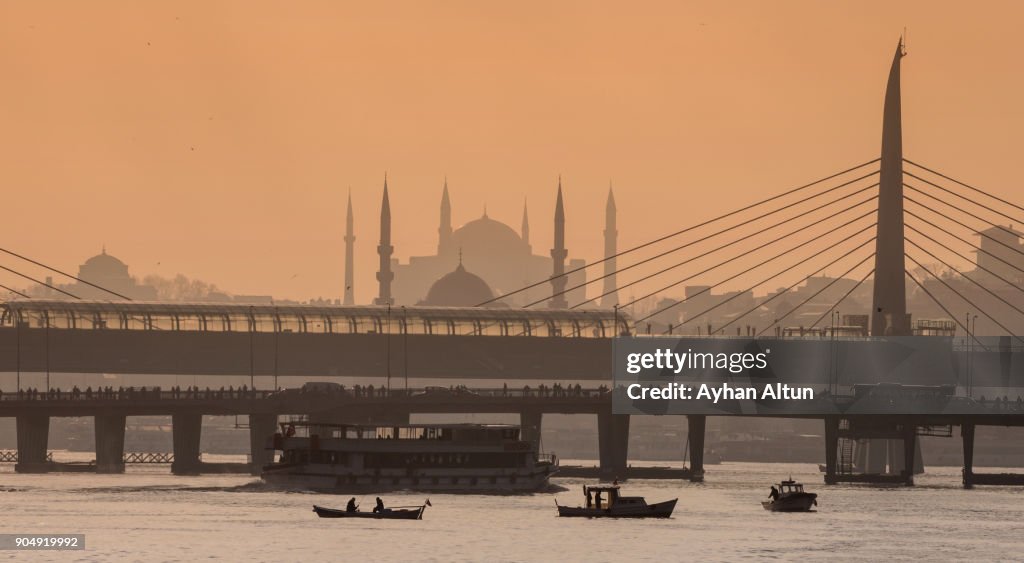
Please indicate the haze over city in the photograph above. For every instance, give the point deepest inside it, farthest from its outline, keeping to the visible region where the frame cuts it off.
(221, 141)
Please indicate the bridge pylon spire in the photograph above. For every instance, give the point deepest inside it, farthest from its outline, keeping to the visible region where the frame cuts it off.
(889, 309)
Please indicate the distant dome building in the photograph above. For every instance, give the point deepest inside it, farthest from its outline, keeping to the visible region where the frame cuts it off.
(105, 271)
(458, 289)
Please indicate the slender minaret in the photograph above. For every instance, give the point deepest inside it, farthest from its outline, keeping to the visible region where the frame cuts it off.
(350, 239)
(558, 254)
(384, 250)
(444, 232)
(611, 292)
(889, 313)
(525, 230)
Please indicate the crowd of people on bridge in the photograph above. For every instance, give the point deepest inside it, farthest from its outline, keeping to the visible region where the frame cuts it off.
(130, 393)
(194, 392)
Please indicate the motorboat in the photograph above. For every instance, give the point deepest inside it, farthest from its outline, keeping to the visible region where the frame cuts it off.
(605, 501)
(791, 498)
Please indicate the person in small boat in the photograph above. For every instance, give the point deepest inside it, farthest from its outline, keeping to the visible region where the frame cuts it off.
(774, 494)
(351, 507)
(380, 506)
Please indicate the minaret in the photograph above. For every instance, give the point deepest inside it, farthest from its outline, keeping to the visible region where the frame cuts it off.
(385, 275)
(525, 230)
(889, 313)
(444, 232)
(611, 292)
(350, 240)
(558, 254)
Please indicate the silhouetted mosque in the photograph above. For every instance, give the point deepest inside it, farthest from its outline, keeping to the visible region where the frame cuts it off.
(105, 271)
(482, 259)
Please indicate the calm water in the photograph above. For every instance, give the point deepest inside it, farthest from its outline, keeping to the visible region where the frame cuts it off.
(149, 515)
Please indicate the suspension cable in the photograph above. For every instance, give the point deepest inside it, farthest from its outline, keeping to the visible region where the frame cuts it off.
(968, 243)
(30, 278)
(961, 296)
(962, 257)
(967, 199)
(965, 276)
(802, 303)
(1017, 250)
(841, 299)
(968, 186)
(763, 262)
(752, 235)
(76, 278)
(691, 228)
(751, 251)
(943, 307)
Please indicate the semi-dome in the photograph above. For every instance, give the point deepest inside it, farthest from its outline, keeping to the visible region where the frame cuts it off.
(458, 289)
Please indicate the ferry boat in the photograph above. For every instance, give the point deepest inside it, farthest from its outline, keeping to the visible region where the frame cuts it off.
(448, 457)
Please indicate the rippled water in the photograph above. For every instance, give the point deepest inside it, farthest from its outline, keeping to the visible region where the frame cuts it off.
(149, 515)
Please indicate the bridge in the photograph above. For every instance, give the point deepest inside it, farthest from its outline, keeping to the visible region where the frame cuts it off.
(889, 219)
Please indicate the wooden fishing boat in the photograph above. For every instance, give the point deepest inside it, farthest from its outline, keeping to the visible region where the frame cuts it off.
(615, 505)
(395, 513)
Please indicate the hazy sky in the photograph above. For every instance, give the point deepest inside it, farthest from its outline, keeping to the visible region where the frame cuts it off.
(219, 139)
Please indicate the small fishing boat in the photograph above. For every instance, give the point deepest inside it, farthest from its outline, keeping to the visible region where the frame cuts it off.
(394, 513)
(791, 498)
(614, 505)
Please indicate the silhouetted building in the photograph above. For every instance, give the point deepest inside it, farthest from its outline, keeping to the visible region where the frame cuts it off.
(499, 256)
(102, 270)
(458, 289)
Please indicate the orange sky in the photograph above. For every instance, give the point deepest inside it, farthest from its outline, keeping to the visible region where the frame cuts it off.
(219, 139)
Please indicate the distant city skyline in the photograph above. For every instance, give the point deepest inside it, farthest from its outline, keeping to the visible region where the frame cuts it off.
(223, 145)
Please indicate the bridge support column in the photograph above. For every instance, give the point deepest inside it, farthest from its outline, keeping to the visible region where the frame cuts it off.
(261, 432)
(613, 445)
(33, 435)
(109, 430)
(696, 426)
(186, 430)
(909, 447)
(967, 432)
(877, 450)
(530, 424)
(831, 448)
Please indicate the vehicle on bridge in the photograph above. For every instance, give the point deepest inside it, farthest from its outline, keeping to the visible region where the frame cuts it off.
(342, 458)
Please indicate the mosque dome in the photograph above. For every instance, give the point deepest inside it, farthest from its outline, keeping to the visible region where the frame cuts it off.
(486, 237)
(458, 289)
(104, 267)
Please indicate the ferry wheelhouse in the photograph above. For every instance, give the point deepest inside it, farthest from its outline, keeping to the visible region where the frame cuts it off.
(447, 457)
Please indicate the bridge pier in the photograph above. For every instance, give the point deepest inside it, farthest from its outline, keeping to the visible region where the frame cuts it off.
(831, 448)
(696, 426)
(613, 445)
(530, 426)
(967, 432)
(909, 448)
(109, 430)
(33, 435)
(186, 430)
(261, 432)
